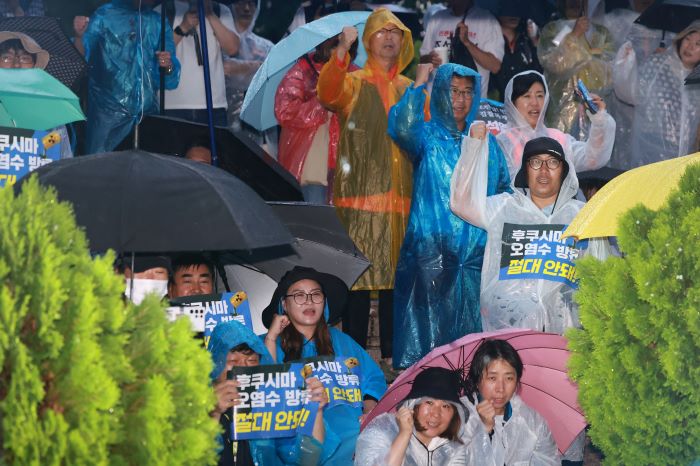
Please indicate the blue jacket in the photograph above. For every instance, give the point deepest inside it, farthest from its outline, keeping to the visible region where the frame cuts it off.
(118, 40)
(341, 421)
(436, 293)
(301, 449)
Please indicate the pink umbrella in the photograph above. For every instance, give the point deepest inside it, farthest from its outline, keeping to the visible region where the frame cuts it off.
(545, 385)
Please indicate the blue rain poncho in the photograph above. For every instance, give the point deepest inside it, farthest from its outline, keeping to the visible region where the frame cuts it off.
(120, 90)
(436, 294)
(228, 335)
(341, 421)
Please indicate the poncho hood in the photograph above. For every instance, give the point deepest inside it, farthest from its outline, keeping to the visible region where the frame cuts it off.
(379, 19)
(228, 335)
(441, 99)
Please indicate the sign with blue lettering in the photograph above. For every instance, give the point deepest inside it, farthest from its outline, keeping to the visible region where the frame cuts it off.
(24, 150)
(538, 251)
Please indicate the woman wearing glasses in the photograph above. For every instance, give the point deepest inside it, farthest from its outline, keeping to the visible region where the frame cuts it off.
(304, 306)
(436, 293)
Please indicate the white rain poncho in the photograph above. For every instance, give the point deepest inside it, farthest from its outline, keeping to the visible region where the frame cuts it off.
(533, 303)
(667, 112)
(566, 58)
(375, 441)
(635, 44)
(253, 48)
(524, 439)
(586, 155)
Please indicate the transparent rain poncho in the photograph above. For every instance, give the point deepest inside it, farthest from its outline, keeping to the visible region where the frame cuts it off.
(533, 303)
(300, 115)
(372, 188)
(124, 77)
(667, 112)
(253, 48)
(375, 441)
(635, 45)
(524, 438)
(590, 154)
(436, 294)
(566, 58)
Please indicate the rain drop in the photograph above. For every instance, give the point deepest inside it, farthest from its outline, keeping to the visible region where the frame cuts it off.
(679, 277)
(351, 125)
(346, 168)
(680, 249)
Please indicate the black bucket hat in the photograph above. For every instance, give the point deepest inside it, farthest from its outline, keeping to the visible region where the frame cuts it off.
(438, 383)
(333, 287)
(539, 146)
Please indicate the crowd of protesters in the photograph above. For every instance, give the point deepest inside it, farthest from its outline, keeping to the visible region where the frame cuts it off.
(430, 196)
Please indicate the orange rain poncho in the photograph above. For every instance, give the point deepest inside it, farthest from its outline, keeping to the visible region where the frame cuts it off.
(372, 189)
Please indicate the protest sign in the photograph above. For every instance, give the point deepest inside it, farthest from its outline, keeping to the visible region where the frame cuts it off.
(206, 311)
(538, 251)
(24, 150)
(231, 306)
(493, 114)
(274, 401)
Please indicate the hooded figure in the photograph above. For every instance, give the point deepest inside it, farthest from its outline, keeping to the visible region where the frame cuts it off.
(534, 303)
(436, 297)
(667, 112)
(252, 51)
(124, 76)
(635, 43)
(432, 386)
(591, 154)
(341, 421)
(567, 57)
(372, 183)
(303, 449)
(372, 191)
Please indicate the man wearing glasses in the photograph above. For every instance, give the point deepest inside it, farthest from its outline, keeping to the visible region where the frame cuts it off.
(529, 272)
(373, 179)
(436, 295)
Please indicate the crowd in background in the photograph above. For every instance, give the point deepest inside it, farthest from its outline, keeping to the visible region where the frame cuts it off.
(424, 189)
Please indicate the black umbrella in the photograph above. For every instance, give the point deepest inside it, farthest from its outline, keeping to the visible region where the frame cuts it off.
(321, 243)
(539, 11)
(238, 154)
(670, 15)
(65, 64)
(141, 202)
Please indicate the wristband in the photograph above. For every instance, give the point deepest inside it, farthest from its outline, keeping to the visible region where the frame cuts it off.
(178, 30)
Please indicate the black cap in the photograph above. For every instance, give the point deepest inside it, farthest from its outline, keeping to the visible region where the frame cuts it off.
(540, 146)
(438, 383)
(333, 287)
(145, 262)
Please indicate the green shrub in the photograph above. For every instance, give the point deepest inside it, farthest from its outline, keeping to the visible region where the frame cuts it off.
(637, 360)
(84, 377)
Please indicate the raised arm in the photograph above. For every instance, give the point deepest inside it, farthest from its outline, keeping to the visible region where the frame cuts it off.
(406, 118)
(336, 89)
(595, 152)
(468, 186)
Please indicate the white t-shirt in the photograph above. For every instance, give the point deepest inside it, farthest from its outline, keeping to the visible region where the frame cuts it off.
(484, 31)
(189, 94)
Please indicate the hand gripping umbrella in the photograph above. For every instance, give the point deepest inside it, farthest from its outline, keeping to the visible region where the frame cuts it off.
(545, 385)
(259, 102)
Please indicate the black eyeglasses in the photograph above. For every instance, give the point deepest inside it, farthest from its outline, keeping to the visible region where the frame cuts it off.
(536, 164)
(302, 298)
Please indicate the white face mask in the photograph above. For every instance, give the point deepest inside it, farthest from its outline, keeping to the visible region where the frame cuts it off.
(143, 286)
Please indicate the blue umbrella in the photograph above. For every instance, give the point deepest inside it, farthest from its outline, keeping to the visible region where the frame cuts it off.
(258, 105)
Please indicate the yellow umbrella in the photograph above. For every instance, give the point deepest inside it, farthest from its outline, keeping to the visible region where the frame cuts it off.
(649, 185)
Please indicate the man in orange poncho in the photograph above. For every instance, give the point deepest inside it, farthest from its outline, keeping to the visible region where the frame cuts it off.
(372, 189)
